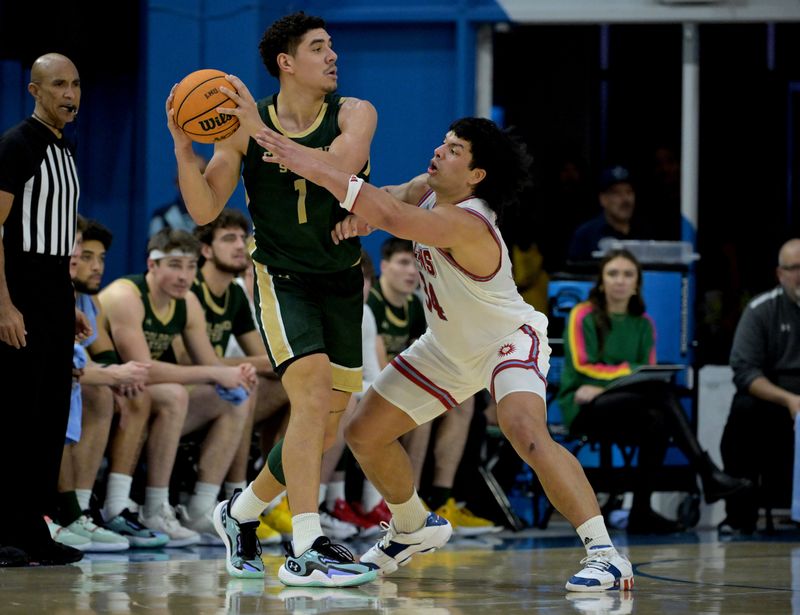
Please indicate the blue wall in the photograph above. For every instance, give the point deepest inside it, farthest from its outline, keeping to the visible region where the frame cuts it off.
(414, 60)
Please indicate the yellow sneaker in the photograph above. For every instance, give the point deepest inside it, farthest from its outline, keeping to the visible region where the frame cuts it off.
(280, 519)
(464, 522)
(267, 535)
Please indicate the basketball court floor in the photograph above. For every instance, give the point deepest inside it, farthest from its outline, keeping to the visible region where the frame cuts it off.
(506, 573)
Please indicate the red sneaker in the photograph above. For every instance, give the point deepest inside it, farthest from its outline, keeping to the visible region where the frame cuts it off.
(344, 512)
(380, 513)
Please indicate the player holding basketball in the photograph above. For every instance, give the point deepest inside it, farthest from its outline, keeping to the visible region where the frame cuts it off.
(309, 289)
(481, 335)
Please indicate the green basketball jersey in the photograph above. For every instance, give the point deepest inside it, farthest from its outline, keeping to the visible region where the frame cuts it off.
(226, 315)
(293, 217)
(159, 331)
(398, 326)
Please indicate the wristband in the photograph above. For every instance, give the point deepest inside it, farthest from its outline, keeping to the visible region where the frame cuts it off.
(353, 188)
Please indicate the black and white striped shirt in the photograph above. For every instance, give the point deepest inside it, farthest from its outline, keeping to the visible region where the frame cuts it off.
(39, 170)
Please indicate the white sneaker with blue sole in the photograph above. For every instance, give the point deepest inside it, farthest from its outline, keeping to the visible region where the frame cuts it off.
(604, 570)
(396, 548)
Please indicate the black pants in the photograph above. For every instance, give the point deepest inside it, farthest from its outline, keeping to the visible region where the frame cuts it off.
(35, 385)
(646, 414)
(758, 443)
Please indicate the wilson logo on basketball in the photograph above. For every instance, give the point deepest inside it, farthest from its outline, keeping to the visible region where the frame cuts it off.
(213, 123)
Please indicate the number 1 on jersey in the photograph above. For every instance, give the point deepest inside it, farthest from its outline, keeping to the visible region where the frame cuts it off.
(300, 186)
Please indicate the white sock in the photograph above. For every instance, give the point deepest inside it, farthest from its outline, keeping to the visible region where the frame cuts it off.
(335, 492)
(370, 496)
(203, 499)
(305, 530)
(323, 490)
(118, 490)
(594, 535)
(84, 496)
(248, 506)
(228, 488)
(408, 516)
(154, 499)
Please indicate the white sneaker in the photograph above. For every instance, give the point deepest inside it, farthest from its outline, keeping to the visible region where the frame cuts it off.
(396, 548)
(102, 540)
(63, 536)
(165, 521)
(203, 525)
(336, 528)
(605, 569)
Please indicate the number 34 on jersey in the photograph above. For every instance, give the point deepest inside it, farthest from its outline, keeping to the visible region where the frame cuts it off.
(425, 263)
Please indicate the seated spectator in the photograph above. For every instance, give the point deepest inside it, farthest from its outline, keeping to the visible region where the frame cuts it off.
(223, 245)
(104, 384)
(618, 199)
(758, 441)
(145, 314)
(609, 336)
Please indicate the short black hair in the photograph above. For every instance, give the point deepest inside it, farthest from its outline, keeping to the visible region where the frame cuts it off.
(284, 36)
(94, 231)
(228, 218)
(394, 245)
(502, 155)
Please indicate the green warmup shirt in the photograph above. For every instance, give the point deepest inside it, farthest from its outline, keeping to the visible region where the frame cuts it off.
(159, 331)
(226, 315)
(629, 344)
(398, 326)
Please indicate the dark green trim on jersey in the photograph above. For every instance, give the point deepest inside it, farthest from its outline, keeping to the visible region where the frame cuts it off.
(159, 329)
(292, 217)
(226, 315)
(398, 326)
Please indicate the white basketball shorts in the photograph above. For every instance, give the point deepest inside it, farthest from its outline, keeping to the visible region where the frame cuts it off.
(424, 382)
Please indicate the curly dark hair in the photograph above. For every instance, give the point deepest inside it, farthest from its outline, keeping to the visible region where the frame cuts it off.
(284, 36)
(597, 296)
(94, 231)
(228, 218)
(502, 155)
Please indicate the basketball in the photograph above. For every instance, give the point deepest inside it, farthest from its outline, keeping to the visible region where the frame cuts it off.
(195, 103)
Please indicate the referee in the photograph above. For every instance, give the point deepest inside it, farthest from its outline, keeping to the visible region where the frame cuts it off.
(38, 321)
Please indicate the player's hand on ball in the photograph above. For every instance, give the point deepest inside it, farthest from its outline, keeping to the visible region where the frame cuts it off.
(178, 136)
(246, 109)
(351, 226)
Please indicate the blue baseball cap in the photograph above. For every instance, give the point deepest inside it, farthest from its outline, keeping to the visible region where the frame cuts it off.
(614, 175)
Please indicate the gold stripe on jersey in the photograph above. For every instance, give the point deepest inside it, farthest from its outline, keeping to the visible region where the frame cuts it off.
(347, 379)
(273, 116)
(209, 299)
(167, 315)
(270, 319)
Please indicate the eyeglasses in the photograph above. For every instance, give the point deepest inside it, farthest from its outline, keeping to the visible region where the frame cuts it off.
(790, 268)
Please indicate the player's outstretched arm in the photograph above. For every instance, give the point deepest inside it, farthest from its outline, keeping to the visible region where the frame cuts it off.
(443, 227)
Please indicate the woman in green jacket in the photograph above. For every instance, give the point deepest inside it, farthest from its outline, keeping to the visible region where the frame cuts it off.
(607, 338)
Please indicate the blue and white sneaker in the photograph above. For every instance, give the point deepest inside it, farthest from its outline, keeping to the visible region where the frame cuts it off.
(325, 564)
(242, 549)
(396, 548)
(139, 536)
(605, 569)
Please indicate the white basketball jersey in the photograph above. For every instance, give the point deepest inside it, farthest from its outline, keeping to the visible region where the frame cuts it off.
(468, 313)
